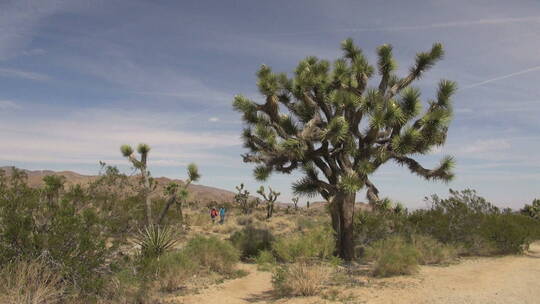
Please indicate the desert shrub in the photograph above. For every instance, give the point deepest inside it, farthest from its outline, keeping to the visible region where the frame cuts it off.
(470, 222)
(317, 243)
(155, 240)
(244, 220)
(304, 223)
(265, 260)
(60, 231)
(74, 240)
(170, 270)
(213, 253)
(393, 256)
(371, 226)
(32, 282)
(509, 233)
(251, 240)
(431, 251)
(300, 279)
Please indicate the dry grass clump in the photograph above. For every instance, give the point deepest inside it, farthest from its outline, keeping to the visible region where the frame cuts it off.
(197, 219)
(30, 282)
(431, 251)
(317, 243)
(214, 254)
(244, 220)
(225, 228)
(301, 279)
(393, 256)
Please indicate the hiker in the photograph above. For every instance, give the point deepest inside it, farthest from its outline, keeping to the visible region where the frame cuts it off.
(213, 214)
(222, 215)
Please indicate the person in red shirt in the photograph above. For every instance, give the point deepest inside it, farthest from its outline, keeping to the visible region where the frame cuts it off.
(213, 214)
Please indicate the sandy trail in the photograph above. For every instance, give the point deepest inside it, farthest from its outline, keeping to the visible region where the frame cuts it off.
(509, 279)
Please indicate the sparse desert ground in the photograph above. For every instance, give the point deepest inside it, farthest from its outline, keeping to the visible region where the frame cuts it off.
(508, 279)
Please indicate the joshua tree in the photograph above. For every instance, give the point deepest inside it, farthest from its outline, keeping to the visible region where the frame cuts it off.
(242, 199)
(178, 193)
(329, 123)
(532, 210)
(140, 164)
(295, 202)
(53, 185)
(270, 199)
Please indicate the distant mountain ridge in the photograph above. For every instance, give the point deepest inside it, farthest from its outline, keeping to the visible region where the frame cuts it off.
(204, 194)
(201, 193)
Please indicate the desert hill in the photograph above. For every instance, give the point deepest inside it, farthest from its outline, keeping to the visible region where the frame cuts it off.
(201, 193)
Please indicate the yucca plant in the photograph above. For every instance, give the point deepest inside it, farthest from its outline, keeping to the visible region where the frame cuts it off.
(155, 240)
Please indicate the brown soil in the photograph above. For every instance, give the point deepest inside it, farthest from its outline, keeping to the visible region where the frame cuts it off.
(509, 279)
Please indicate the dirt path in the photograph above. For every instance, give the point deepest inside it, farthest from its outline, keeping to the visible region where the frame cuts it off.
(254, 288)
(510, 279)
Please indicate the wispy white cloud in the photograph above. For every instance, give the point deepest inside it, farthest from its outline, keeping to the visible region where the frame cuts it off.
(486, 146)
(144, 79)
(9, 105)
(20, 20)
(477, 84)
(16, 73)
(84, 137)
(437, 25)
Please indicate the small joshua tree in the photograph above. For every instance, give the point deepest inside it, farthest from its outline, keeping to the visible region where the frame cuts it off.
(270, 199)
(328, 122)
(141, 165)
(532, 210)
(178, 193)
(53, 185)
(242, 199)
(295, 202)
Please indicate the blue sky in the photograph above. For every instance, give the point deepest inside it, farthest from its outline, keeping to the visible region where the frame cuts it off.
(80, 78)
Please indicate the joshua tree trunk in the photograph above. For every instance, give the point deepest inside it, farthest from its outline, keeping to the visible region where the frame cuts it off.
(342, 212)
(269, 210)
(170, 201)
(146, 182)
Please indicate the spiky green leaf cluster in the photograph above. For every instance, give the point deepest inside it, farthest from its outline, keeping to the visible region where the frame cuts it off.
(155, 240)
(193, 172)
(327, 120)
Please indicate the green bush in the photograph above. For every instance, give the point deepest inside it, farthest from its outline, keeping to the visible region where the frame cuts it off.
(170, 270)
(317, 243)
(509, 233)
(58, 231)
(214, 254)
(74, 240)
(476, 226)
(393, 256)
(431, 251)
(251, 240)
(371, 226)
(265, 260)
